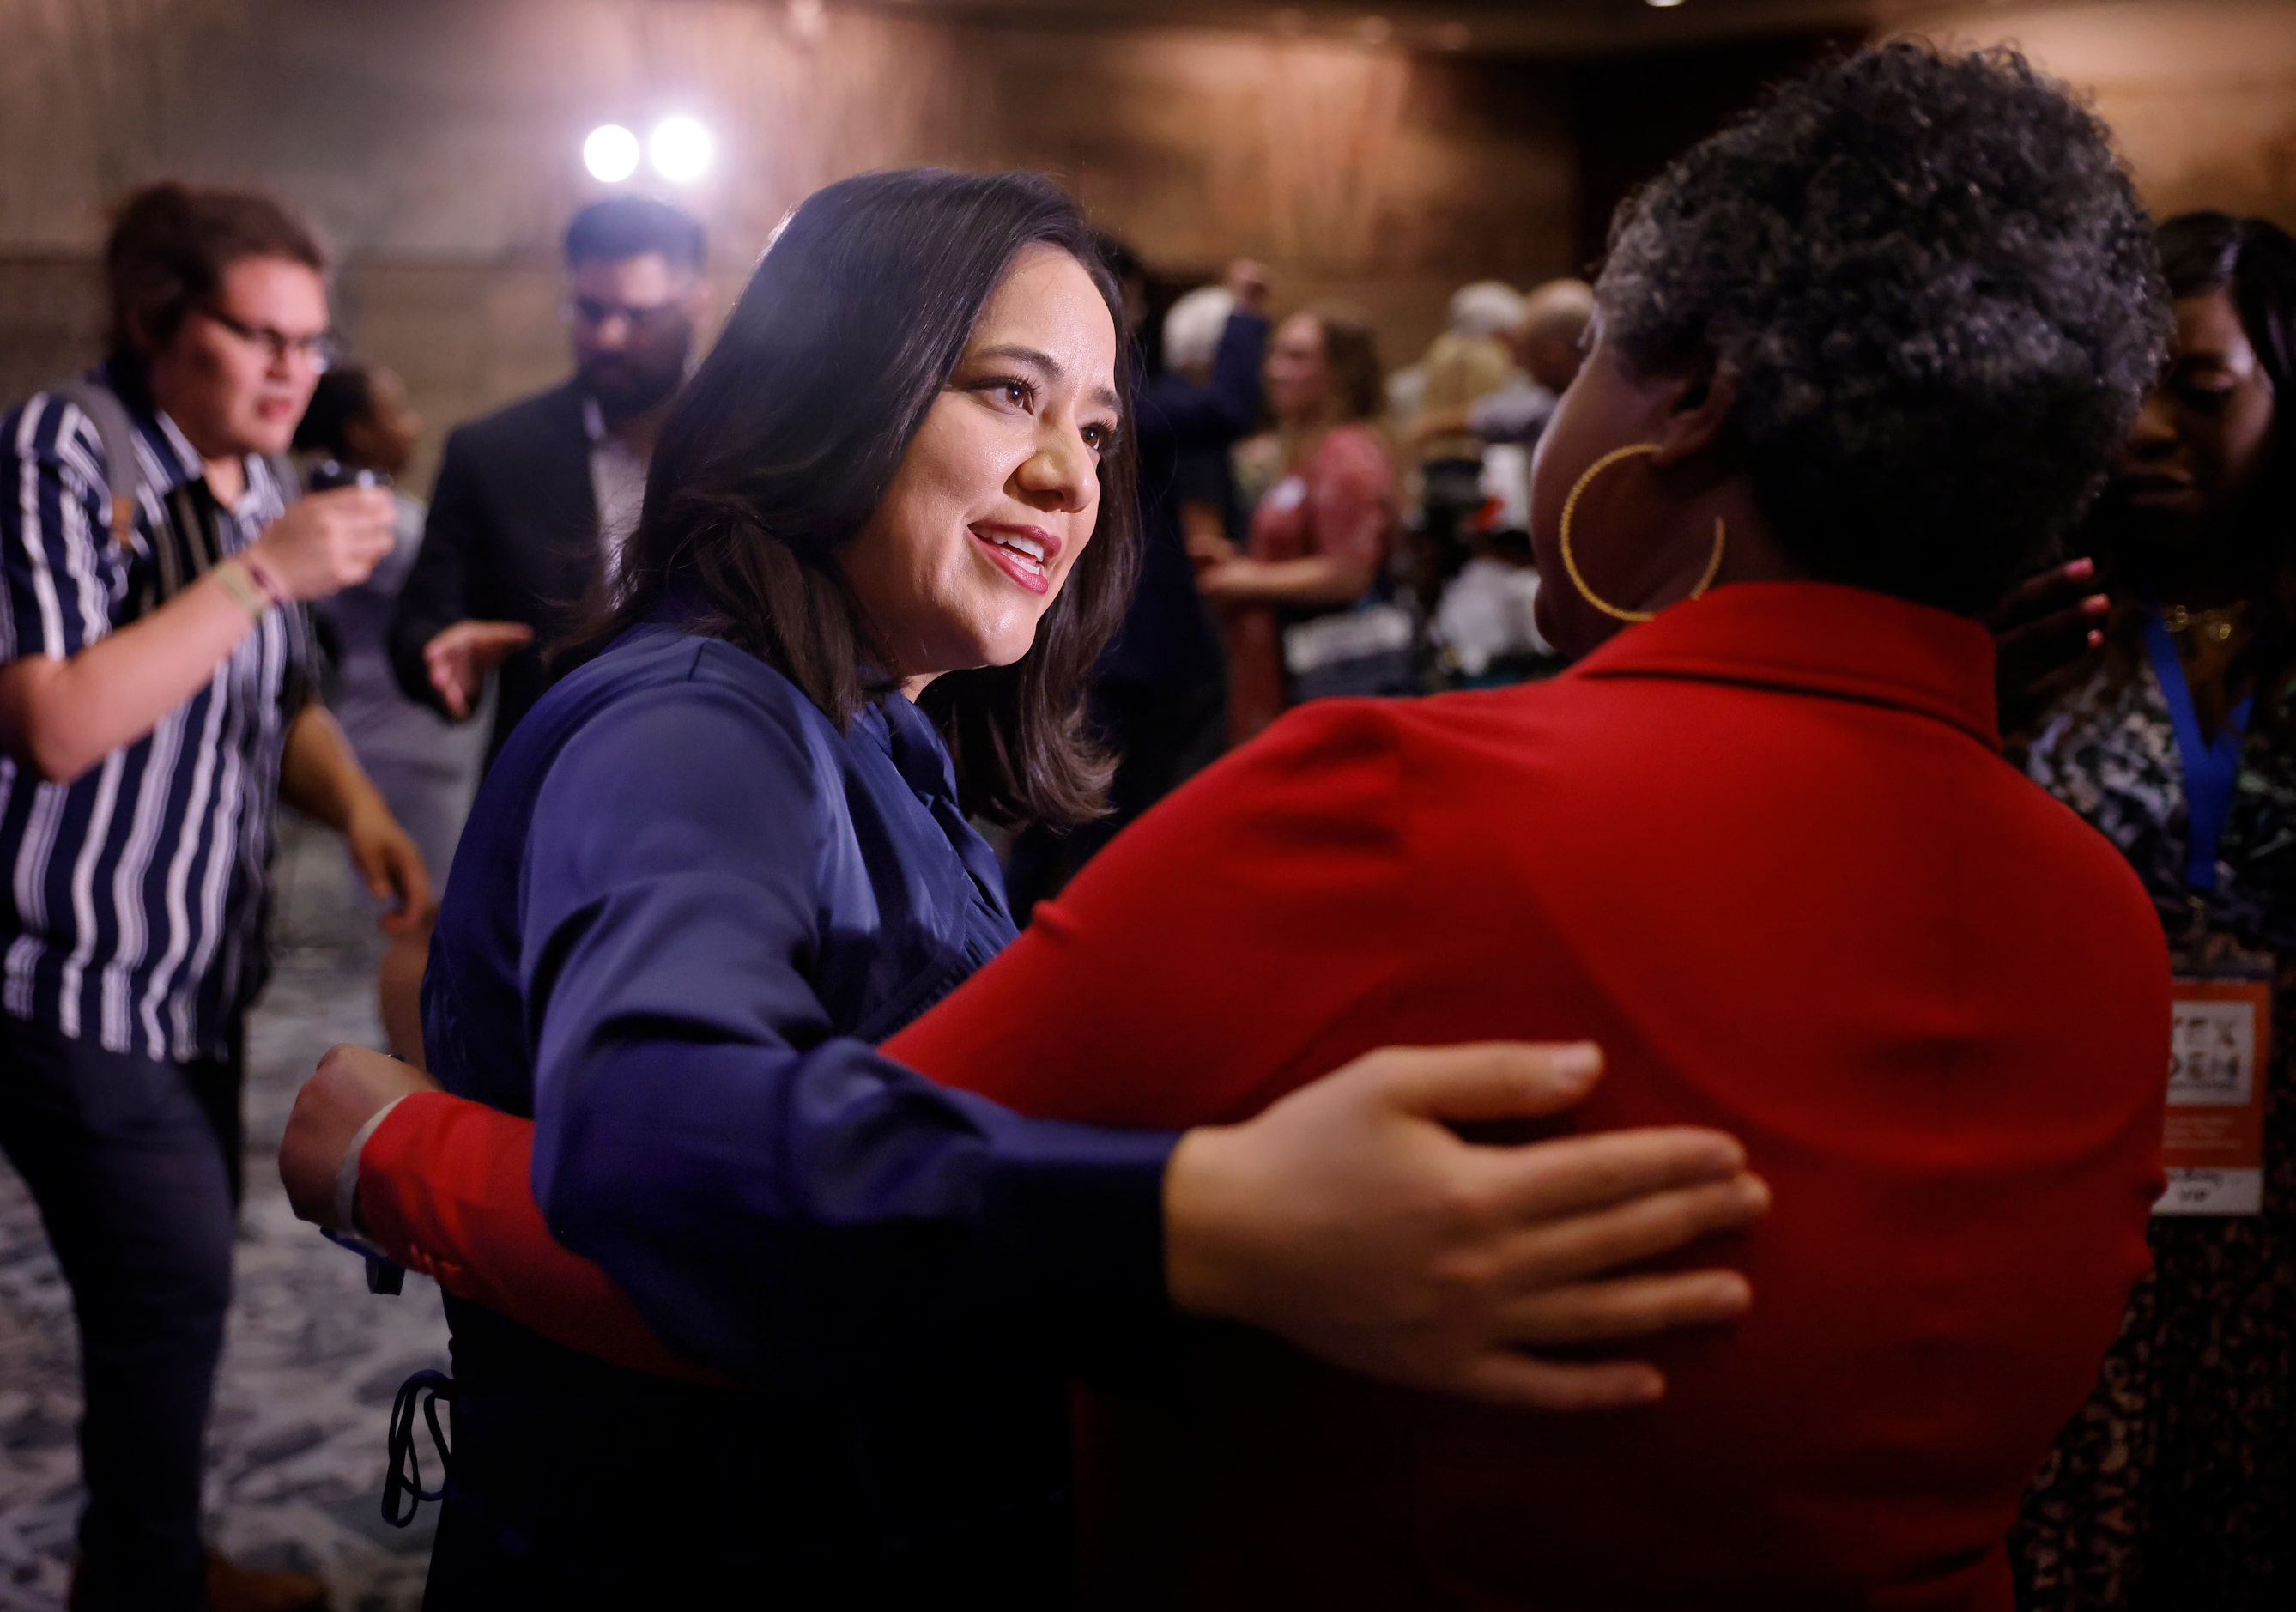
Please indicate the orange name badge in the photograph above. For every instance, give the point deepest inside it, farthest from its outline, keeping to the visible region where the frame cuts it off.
(2219, 1056)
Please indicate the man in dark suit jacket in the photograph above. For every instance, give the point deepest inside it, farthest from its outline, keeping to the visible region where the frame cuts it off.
(533, 502)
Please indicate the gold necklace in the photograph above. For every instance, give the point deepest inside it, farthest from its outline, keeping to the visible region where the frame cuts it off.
(2214, 625)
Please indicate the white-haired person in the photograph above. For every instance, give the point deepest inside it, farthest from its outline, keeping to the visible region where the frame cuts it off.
(1482, 624)
(1202, 495)
(1548, 341)
(1467, 363)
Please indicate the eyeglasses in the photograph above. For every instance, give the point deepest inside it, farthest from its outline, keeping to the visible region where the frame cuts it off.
(595, 311)
(320, 351)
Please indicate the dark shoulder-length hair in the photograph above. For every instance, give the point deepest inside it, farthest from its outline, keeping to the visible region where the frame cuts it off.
(789, 432)
(2253, 261)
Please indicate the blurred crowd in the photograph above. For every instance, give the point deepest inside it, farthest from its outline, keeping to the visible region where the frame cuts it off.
(1316, 521)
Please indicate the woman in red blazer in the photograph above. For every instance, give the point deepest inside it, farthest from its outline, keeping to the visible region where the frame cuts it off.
(1858, 361)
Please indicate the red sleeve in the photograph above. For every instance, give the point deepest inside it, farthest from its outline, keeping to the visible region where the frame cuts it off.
(447, 1187)
(1351, 504)
(1212, 958)
(1262, 897)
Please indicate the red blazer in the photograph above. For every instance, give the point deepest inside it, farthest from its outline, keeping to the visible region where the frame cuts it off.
(1765, 852)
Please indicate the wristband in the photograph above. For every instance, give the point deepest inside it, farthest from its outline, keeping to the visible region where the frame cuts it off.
(233, 577)
(347, 1173)
(264, 579)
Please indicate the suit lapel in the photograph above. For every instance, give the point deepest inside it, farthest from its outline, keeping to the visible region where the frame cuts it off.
(562, 501)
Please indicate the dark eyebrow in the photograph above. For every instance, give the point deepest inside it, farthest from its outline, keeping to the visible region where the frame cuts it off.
(1045, 361)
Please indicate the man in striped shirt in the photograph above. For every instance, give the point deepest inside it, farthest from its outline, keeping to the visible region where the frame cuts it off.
(155, 702)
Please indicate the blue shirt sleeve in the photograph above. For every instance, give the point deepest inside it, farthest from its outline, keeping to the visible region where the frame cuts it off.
(782, 1202)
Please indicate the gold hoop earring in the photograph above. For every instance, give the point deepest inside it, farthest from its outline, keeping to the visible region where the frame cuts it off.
(1570, 564)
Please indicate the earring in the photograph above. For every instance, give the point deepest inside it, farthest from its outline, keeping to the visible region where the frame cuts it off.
(1569, 564)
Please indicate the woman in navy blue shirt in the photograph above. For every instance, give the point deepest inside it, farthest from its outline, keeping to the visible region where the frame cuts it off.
(888, 530)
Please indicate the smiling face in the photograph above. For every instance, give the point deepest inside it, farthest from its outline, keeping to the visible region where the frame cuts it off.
(232, 392)
(2201, 446)
(999, 489)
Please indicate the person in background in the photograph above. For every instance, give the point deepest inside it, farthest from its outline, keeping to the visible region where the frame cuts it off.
(1484, 629)
(156, 697)
(1158, 691)
(1482, 625)
(2175, 1486)
(359, 419)
(1471, 359)
(1547, 342)
(532, 503)
(1203, 479)
(1320, 536)
(1464, 365)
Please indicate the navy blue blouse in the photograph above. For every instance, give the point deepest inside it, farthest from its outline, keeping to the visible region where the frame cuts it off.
(684, 909)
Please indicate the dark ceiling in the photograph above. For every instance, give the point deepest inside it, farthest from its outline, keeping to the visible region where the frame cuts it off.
(1558, 28)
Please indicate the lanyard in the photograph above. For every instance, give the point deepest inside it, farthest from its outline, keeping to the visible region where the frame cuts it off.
(2211, 769)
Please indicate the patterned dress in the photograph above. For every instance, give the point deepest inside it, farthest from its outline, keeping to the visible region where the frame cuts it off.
(2174, 1487)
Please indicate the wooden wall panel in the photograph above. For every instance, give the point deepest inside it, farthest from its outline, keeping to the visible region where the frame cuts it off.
(438, 144)
(2202, 93)
(437, 141)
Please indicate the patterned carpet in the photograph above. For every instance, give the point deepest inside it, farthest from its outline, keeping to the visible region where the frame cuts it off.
(295, 1456)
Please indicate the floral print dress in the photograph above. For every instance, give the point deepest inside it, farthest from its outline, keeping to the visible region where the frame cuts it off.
(2174, 1487)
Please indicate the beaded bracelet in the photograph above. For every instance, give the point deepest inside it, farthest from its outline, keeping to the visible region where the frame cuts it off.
(264, 579)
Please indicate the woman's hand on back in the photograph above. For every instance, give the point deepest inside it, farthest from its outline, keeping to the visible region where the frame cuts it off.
(1351, 1219)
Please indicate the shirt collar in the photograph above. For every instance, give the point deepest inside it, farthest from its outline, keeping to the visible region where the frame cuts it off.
(909, 737)
(180, 463)
(1818, 638)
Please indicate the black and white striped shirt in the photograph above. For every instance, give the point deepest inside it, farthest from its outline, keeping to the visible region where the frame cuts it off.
(132, 901)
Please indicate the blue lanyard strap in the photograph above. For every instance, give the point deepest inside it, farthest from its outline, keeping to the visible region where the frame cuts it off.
(2211, 769)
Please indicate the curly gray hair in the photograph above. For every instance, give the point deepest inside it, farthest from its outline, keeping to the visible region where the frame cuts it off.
(1941, 298)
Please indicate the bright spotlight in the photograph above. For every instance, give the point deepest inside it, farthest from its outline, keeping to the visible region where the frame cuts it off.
(681, 150)
(610, 154)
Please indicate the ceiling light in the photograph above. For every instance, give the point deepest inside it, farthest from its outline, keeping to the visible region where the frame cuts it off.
(610, 154)
(681, 150)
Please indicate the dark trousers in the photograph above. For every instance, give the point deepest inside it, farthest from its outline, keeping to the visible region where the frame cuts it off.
(578, 1487)
(135, 1166)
